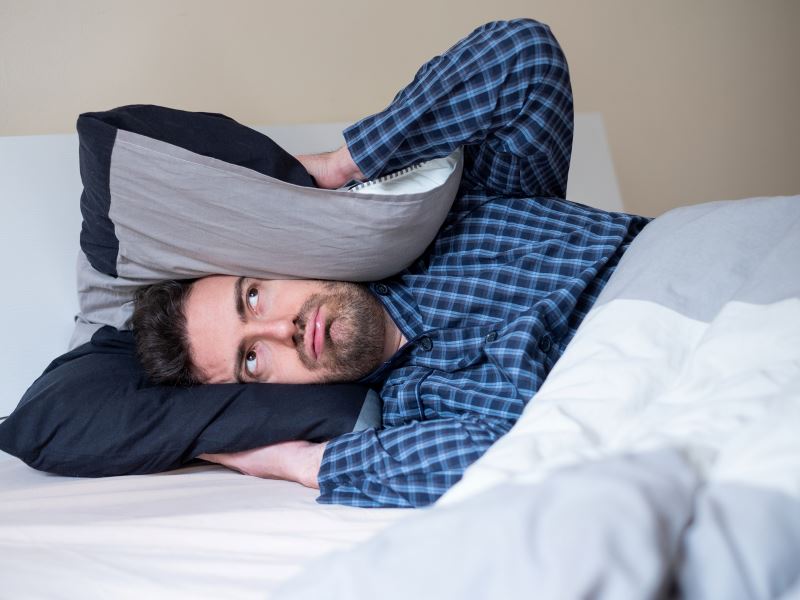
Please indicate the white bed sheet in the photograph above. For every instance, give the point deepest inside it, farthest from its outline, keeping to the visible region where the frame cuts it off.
(198, 532)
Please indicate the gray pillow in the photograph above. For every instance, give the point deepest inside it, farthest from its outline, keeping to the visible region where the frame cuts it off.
(180, 214)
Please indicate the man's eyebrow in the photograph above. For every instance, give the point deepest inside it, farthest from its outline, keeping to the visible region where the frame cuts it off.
(238, 291)
(237, 368)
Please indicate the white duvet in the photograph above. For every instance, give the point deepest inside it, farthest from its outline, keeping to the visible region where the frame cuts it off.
(640, 376)
(661, 457)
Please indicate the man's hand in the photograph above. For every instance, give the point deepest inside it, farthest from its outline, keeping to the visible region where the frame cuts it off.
(331, 170)
(293, 461)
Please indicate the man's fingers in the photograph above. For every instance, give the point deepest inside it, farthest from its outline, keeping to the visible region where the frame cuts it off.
(331, 170)
(293, 460)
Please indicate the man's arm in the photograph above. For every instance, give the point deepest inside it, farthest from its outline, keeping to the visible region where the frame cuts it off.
(405, 466)
(297, 461)
(410, 465)
(503, 93)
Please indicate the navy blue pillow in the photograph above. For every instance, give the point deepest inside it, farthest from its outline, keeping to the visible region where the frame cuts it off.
(92, 413)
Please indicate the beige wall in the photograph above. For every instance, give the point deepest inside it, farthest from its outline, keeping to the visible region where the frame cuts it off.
(700, 97)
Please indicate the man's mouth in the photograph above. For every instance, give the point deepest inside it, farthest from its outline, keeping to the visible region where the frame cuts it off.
(315, 333)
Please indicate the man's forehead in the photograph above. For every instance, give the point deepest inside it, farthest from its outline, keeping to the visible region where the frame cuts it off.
(210, 326)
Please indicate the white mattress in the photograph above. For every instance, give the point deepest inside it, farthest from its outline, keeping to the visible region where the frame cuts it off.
(199, 532)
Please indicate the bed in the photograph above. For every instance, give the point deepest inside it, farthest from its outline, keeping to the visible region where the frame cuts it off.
(204, 531)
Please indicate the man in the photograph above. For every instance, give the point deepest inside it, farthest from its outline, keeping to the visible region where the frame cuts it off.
(458, 342)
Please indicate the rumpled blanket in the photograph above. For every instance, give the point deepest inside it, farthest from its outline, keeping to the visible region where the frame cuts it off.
(661, 458)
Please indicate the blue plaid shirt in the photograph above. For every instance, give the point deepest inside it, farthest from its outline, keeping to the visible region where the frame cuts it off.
(491, 305)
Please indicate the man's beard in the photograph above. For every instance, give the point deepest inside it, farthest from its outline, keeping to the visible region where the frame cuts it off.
(357, 313)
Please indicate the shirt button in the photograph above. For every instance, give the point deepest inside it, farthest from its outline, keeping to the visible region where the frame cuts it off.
(382, 289)
(545, 343)
(426, 343)
(491, 337)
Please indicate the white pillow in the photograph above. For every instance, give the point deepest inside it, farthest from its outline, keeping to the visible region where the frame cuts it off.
(416, 179)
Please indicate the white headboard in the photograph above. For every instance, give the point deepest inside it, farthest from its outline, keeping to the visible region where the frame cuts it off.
(40, 189)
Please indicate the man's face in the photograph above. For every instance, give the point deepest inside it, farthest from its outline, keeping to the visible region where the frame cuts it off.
(282, 331)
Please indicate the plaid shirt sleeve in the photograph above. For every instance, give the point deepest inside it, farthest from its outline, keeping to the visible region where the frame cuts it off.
(405, 466)
(503, 93)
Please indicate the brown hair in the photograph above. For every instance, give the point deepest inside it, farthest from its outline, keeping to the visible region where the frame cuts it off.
(159, 326)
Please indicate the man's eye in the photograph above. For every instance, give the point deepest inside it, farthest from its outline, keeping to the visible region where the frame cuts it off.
(252, 297)
(251, 362)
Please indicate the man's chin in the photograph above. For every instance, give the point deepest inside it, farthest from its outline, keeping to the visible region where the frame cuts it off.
(346, 374)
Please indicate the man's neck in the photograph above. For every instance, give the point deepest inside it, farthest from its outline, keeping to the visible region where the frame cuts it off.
(393, 339)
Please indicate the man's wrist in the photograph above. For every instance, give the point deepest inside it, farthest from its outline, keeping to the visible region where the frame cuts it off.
(346, 166)
(315, 454)
(301, 463)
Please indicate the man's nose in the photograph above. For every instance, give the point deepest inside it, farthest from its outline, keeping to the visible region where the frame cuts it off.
(277, 330)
